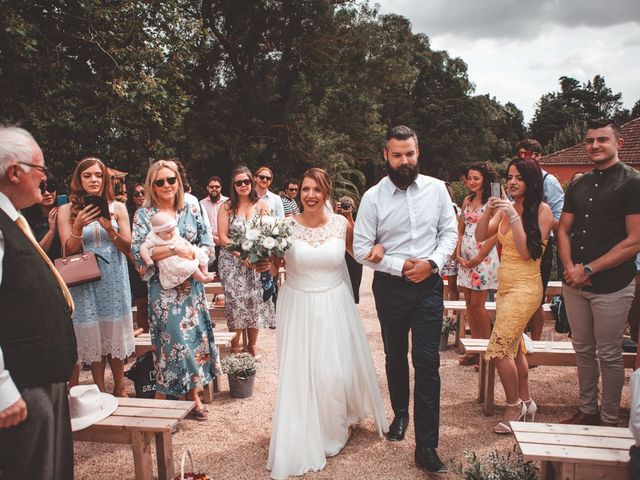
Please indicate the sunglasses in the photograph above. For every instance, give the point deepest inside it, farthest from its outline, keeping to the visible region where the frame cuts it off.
(160, 181)
(214, 187)
(264, 177)
(48, 187)
(292, 189)
(239, 183)
(140, 193)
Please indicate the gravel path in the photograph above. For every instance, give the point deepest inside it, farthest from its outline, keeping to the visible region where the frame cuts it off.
(234, 442)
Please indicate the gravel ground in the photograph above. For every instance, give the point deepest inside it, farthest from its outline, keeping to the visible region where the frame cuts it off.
(234, 442)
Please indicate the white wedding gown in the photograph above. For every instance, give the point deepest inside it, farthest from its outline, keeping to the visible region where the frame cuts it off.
(326, 379)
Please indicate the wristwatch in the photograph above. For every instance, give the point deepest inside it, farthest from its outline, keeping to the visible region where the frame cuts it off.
(172, 247)
(588, 271)
(434, 266)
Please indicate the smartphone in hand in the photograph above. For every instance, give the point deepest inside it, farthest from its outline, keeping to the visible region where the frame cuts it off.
(495, 190)
(98, 202)
(61, 200)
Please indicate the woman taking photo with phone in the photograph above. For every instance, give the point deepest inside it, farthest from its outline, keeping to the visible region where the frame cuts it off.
(102, 318)
(478, 261)
(523, 229)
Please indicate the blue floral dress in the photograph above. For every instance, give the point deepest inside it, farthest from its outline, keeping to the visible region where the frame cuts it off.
(180, 325)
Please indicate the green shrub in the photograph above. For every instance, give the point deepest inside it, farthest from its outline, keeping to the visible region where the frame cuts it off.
(495, 466)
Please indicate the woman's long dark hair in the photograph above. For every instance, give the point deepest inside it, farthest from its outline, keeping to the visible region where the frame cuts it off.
(234, 200)
(531, 174)
(488, 175)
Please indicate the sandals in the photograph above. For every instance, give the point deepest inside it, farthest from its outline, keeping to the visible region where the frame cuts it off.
(201, 415)
(469, 359)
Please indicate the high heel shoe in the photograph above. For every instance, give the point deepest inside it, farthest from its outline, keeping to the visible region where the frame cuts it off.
(531, 408)
(503, 427)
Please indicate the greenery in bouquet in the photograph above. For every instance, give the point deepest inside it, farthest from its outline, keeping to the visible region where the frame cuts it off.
(448, 325)
(239, 365)
(262, 237)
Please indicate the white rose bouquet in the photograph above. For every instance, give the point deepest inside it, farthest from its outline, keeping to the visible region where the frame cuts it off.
(262, 237)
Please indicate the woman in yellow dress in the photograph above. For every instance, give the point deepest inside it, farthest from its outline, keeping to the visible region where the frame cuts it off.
(523, 229)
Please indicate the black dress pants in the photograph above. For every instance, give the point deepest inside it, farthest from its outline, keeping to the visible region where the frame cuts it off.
(41, 447)
(404, 307)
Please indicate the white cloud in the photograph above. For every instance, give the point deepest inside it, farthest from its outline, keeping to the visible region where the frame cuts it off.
(516, 52)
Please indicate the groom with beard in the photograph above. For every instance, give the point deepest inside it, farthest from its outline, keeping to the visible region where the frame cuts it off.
(410, 215)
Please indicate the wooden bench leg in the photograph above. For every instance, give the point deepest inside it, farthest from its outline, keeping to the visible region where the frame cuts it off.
(207, 392)
(481, 377)
(462, 330)
(141, 443)
(489, 387)
(164, 452)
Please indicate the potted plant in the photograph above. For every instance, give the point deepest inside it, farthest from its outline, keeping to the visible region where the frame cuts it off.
(241, 372)
(495, 466)
(448, 325)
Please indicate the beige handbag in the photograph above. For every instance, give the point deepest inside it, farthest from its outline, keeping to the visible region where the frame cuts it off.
(78, 269)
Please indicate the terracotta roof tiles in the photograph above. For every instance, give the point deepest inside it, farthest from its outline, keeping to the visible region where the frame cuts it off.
(577, 155)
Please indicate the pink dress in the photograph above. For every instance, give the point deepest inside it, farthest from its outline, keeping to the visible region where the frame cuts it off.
(485, 275)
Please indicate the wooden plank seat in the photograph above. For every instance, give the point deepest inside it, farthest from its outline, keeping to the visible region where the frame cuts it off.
(138, 422)
(559, 354)
(213, 288)
(576, 452)
(457, 307)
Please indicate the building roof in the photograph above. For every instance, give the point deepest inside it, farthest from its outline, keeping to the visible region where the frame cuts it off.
(577, 155)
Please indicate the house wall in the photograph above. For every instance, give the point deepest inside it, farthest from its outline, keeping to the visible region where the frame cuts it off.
(564, 173)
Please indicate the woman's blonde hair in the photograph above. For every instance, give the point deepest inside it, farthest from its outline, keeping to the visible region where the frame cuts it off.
(77, 192)
(150, 199)
(323, 180)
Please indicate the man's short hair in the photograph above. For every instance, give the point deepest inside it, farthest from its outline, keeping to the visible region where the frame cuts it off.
(214, 178)
(400, 132)
(16, 144)
(295, 181)
(530, 145)
(595, 123)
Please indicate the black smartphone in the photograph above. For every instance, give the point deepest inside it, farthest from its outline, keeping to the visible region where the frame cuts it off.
(99, 202)
(61, 200)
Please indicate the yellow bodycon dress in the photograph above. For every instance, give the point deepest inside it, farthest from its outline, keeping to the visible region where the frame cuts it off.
(519, 296)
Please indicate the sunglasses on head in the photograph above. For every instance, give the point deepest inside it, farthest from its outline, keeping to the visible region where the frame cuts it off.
(239, 183)
(160, 181)
(140, 193)
(264, 177)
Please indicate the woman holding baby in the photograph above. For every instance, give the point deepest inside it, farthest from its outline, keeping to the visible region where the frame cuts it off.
(185, 357)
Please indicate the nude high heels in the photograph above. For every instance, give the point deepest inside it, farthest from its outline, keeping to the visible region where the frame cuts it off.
(531, 408)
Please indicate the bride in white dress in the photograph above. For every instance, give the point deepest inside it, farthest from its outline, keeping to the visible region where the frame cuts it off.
(326, 379)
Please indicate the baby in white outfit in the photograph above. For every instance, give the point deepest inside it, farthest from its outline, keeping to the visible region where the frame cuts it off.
(174, 269)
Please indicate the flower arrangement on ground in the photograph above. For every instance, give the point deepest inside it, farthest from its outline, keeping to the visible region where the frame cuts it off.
(263, 236)
(448, 325)
(239, 365)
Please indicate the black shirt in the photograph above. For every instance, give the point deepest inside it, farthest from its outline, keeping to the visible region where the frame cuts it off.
(600, 201)
(40, 226)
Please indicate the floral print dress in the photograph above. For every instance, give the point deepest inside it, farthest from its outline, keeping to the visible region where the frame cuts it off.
(180, 325)
(485, 275)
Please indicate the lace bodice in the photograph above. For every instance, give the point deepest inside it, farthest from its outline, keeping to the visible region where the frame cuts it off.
(315, 262)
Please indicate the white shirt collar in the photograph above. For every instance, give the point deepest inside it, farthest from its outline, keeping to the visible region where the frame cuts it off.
(391, 188)
(7, 206)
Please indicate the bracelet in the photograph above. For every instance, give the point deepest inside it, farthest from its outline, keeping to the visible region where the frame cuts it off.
(115, 237)
(514, 219)
(79, 237)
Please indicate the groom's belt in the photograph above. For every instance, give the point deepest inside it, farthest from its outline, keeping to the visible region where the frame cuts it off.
(392, 277)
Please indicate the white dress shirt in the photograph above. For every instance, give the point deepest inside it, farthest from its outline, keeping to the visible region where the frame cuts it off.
(9, 394)
(211, 210)
(414, 223)
(274, 202)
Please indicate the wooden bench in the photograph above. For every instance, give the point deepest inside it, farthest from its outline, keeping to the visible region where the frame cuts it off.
(457, 307)
(139, 421)
(576, 452)
(559, 354)
(213, 288)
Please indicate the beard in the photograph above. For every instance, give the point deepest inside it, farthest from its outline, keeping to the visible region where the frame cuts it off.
(402, 176)
(214, 198)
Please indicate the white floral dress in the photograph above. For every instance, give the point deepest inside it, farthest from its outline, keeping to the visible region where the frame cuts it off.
(485, 275)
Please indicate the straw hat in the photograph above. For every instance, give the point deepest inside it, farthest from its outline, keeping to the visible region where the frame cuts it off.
(88, 405)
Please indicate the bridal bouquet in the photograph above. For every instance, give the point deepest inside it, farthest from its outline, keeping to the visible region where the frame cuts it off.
(262, 237)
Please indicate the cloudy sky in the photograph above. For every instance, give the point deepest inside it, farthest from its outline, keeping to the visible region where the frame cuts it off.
(517, 49)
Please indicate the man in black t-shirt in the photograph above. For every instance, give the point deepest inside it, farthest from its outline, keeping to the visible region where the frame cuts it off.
(598, 238)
